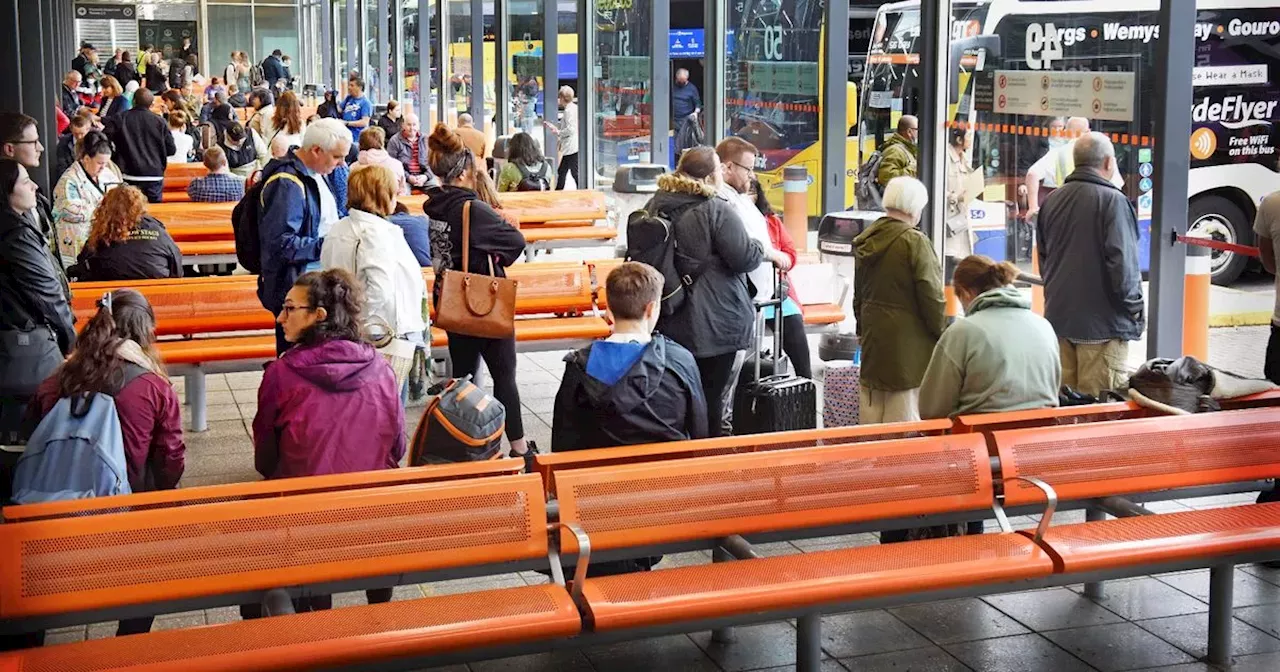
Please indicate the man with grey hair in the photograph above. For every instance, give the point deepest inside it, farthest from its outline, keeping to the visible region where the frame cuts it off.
(1087, 236)
(302, 195)
(686, 102)
(567, 134)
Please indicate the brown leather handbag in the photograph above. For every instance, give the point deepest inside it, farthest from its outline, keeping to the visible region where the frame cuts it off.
(473, 304)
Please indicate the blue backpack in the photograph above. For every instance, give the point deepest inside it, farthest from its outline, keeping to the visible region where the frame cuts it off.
(77, 451)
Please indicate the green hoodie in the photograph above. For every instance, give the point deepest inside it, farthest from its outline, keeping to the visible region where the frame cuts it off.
(897, 158)
(898, 303)
(1001, 357)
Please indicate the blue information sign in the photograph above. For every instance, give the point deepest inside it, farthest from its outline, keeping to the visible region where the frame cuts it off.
(686, 43)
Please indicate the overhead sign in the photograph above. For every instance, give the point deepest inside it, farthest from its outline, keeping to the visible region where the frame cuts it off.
(686, 43)
(1093, 95)
(102, 11)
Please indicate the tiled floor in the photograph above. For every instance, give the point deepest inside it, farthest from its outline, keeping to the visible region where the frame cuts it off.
(1150, 623)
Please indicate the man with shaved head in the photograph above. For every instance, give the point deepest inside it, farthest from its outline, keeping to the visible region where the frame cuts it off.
(1053, 168)
(409, 147)
(1087, 237)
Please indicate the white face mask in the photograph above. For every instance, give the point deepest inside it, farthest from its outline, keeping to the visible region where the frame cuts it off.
(1057, 142)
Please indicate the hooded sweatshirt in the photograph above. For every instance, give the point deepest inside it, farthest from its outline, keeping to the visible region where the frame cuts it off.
(898, 303)
(624, 393)
(329, 408)
(491, 235)
(1000, 357)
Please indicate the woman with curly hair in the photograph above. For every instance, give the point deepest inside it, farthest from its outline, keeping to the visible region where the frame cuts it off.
(116, 355)
(126, 243)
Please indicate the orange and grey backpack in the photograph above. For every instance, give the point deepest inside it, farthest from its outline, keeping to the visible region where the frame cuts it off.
(462, 423)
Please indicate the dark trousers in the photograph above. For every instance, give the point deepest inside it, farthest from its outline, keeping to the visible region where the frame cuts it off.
(568, 164)
(718, 375)
(154, 191)
(795, 344)
(500, 356)
(1271, 366)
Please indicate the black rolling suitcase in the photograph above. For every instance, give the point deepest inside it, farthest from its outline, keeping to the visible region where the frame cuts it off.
(778, 402)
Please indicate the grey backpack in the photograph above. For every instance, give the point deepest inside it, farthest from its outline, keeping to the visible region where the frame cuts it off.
(462, 423)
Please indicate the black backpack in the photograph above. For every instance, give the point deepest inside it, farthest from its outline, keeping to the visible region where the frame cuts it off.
(177, 73)
(867, 190)
(245, 221)
(651, 240)
(531, 181)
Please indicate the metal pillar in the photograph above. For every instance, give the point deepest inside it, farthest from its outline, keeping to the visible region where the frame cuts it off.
(660, 83)
(1221, 595)
(935, 49)
(384, 47)
(1094, 590)
(1173, 65)
(835, 130)
(809, 643)
(586, 94)
(715, 75)
(353, 46)
(11, 52)
(502, 67)
(198, 398)
(426, 62)
(550, 74)
(39, 75)
(444, 63)
(476, 105)
(327, 44)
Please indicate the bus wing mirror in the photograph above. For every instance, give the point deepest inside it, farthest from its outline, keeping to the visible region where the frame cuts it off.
(988, 43)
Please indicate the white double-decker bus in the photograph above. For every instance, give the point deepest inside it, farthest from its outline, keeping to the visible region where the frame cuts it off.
(1096, 59)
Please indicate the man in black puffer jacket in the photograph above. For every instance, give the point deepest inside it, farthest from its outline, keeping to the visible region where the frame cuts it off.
(143, 145)
(713, 248)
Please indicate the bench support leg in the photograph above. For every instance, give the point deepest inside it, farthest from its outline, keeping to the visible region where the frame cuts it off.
(1094, 590)
(809, 643)
(1221, 589)
(186, 394)
(721, 635)
(199, 401)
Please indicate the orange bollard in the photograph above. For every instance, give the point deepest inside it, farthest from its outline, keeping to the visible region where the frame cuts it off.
(795, 205)
(1037, 291)
(1195, 303)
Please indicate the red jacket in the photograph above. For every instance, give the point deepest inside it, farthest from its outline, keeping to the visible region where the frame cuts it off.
(151, 422)
(782, 242)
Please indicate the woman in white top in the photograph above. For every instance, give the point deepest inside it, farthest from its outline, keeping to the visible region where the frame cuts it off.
(79, 191)
(374, 250)
(183, 143)
(287, 126)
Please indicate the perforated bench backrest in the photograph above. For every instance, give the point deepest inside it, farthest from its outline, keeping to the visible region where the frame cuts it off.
(191, 306)
(1129, 456)
(708, 497)
(549, 463)
(283, 487)
(1044, 417)
(537, 208)
(96, 562)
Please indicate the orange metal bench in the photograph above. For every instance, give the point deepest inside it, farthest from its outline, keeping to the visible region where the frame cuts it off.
(140, 557)
(550, 463)
(639, 505)
(1042, 417)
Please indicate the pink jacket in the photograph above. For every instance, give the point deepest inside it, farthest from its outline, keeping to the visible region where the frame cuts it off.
(380, 157)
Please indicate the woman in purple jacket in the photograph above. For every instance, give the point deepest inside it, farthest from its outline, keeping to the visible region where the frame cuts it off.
(330, 404)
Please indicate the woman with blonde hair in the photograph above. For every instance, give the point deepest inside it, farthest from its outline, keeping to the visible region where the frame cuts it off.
(374, 250)
(287, 126)
(126, 243)
(1000, 357)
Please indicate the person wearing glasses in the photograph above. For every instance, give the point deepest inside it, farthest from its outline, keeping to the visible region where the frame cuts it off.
(898, 153)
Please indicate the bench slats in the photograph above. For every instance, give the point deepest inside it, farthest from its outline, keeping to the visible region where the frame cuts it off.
(765, 584)
(700, 498)
(1165, 537)
(1128, 456)
(1042, 417)
(140, 557)
(349, 636)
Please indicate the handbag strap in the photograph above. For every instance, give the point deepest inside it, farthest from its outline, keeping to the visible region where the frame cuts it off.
(466, 237)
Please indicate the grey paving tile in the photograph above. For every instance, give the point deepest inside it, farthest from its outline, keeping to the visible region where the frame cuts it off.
(1191, 634)
(203, 464)
(1268, 574)
(958, 620)
(352, 598)
(685, 559)
(1265, 617)
(753, 647)
(244, 380)
(866, 632)
(220, 398)
(188, 619)
(539, 405)
(675, 652)
(412, 592)
(1185, 667)
(234, 428)
(1019, 653)
(447, 668)
(53, 638)
(928, 659)
(838, 541)
(220, 479)
(199, 445)
(1262, 662)
(554, 661)
(1118, 646)
(1053, 609)
(1248, 589)
(828, 665)
(102, 630)
(245, 396)
(538, 376)
(455, 586)
(1171, 506)
(221, 615)
(1138, 599)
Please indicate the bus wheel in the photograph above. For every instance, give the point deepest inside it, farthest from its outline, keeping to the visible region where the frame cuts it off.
(1223, 221)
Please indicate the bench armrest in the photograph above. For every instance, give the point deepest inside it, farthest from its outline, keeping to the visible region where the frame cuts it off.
(1051, 503)
(584, 558)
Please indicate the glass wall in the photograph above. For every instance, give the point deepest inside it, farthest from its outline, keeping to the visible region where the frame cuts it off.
(372, 70)
(623, 107)
(420, 60)
(342, 62)
(230, 29)
(524, 68)
(276, 28)
(458, 93)
(772, 88)
(256, 27)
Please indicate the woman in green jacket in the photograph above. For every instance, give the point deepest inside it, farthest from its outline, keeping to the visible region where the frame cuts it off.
(898, 303)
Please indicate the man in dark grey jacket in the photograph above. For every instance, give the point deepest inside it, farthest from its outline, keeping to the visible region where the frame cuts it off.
(1087, 236)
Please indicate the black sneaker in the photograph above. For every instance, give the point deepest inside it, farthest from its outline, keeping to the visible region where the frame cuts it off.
(528, 456)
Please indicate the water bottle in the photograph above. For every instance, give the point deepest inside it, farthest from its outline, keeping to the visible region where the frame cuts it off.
(857, 355)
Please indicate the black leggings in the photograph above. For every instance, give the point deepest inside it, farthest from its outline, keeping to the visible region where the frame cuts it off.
(717, 375)
(500, 356)
(568, 164)
(795, 344)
